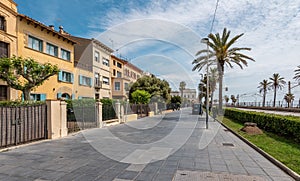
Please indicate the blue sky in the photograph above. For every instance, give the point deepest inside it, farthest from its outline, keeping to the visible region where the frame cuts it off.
(162, 36)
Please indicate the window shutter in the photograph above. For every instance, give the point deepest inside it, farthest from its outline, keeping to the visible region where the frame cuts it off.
(80, 80)
(72, 78)
(60, 76)
(79, 97)
(58, 95)
(22, 97)
(43, 97)
(91, 82)
(73, 96)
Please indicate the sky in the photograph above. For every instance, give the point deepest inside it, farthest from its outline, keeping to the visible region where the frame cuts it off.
(163, 36)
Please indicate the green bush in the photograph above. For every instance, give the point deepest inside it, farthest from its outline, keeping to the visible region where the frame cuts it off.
(288, 126)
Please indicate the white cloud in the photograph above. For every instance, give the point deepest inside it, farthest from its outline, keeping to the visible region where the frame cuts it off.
(271, 28)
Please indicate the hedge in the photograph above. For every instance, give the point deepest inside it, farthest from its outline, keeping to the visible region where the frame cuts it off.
(20, 103)
(287, 126)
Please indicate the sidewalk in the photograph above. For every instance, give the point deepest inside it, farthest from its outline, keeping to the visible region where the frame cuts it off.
(74, 157)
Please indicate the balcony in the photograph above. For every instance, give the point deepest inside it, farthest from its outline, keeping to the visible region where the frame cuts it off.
(98, 84)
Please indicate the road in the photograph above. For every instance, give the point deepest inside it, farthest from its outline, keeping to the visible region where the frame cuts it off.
(172, 147)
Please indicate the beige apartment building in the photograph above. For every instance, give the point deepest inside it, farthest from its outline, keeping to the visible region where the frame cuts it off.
(92, 69)
(124, 74)
(8, 42)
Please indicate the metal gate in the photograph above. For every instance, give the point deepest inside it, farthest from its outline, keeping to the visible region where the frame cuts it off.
(21, 124)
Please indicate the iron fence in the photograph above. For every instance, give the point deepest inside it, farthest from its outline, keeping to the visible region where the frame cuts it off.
(108, 112)
(142, 110)
(21, 124)
(81, 117)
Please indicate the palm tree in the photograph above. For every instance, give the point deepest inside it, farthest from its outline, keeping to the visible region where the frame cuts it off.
(297, 74)
(226, 98)
(289, 97)
(233, 99)
(264, 86)
(277, 83)
(182, 85)
(223, 53)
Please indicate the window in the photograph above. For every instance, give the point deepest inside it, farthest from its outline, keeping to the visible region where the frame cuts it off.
(65, 54)
(117, 86)
(52, 49)
(2, 23)
(97, 56)
(105, 62)
(119, 74)
(3, 92)
(3, 49)
(83, 80)
(119, 65)
(35, 43)
(126, 86)
(38, 97)
(114, 62)
(114, 72)
(65, 77)
(105, 80)
(97, 80)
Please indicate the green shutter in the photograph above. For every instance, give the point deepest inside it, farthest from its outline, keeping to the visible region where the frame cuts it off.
(72, 78)
(43, 97)
(80, 79)
(60, 76)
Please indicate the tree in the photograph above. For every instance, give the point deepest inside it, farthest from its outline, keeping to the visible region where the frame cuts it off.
(213, 79)
(140, 97)
(289, 97)
(297, 74)
(264, 86)
(222, 53)
(25, 73)
(182, 85)
(226, 98)
(158, 89)
(233, 99)
(277, 83)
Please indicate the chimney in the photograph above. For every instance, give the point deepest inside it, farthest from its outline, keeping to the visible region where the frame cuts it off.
(61, 29)
(51, 26)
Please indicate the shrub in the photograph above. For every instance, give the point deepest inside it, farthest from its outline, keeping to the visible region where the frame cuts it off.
(20, 103)
(288, 126)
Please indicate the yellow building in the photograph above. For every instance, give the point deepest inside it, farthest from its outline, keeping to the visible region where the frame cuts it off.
(8, 41)
(44, 44)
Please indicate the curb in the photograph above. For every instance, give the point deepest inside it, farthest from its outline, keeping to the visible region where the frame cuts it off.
(266, 155)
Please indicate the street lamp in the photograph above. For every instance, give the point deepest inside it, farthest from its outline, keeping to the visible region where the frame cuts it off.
(206, 41)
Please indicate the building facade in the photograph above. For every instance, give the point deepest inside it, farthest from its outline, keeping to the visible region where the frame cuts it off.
(189, 96)
(92, 67)
(8, 42)
(45, 45)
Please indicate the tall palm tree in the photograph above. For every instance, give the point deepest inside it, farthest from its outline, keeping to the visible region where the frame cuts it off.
(182, 85)
(264, 86)
(289, 97)
(277, 83)
(297, 74)
(221, 51)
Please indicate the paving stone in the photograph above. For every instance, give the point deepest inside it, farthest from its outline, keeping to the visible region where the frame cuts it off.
(145, 176)
(129, 175)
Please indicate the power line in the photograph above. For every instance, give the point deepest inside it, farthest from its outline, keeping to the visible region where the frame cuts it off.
(214, 18)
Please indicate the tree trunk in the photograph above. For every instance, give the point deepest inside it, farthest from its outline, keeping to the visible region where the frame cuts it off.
(26, 94)
(264, 99)
(274, 103)
(220, 71)
(212, 98)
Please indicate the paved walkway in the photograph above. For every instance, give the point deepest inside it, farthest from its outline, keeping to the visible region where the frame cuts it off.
(273, 112)
(174, 147)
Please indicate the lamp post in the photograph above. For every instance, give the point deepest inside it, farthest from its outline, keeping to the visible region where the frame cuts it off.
(206, 40)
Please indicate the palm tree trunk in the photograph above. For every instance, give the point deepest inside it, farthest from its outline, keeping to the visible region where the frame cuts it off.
(211, 98)
(274, 103)
(220, 71)
(264, 99)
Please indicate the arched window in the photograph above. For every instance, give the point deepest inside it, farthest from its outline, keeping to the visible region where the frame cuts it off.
(2, 23)
(66, 96)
